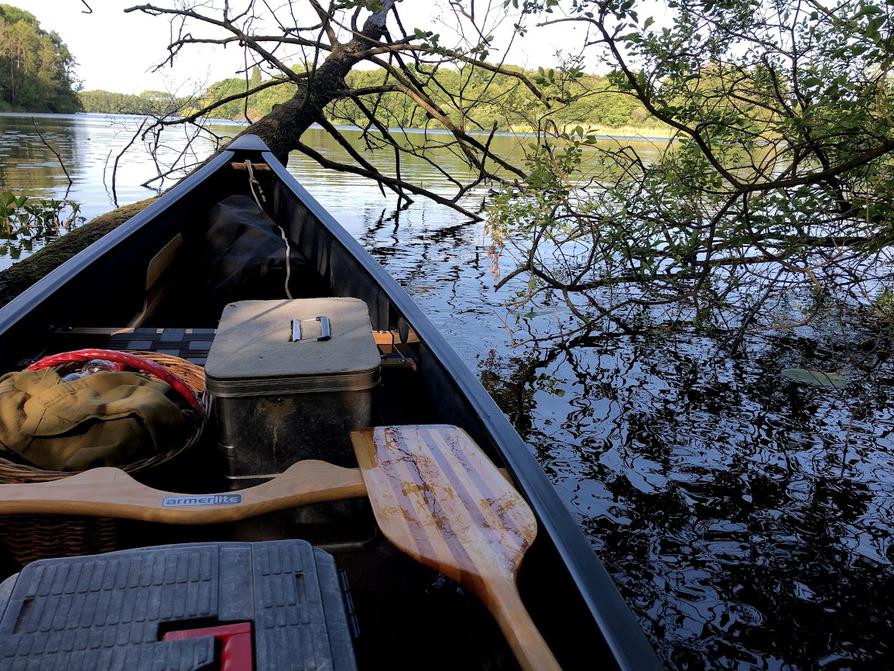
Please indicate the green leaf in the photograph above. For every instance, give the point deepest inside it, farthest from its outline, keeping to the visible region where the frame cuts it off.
(816, 378)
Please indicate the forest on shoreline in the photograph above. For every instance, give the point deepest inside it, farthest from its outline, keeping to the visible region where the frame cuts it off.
(36, 68)
(505, 104)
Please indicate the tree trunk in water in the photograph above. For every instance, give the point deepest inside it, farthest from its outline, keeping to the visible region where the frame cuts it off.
(18, 277)
(282, 128)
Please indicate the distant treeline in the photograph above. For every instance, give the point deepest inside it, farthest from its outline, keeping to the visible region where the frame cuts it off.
(36, 68)
(147, 102)
(503, 100)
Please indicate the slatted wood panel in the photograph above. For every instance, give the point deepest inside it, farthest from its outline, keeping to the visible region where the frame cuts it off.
(438, 497)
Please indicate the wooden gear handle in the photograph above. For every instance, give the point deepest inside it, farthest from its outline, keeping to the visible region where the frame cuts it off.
(110, 492)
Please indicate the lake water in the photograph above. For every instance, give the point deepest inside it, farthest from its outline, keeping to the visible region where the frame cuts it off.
(747, 518)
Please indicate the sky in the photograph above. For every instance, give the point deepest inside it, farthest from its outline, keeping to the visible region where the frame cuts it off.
(116, 51)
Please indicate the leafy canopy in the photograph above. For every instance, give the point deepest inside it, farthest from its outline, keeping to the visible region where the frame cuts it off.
(773, 200)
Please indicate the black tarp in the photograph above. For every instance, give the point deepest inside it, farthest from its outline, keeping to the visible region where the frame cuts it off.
(242, 256)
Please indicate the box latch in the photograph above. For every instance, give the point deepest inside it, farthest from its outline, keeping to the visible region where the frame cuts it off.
(325, 329)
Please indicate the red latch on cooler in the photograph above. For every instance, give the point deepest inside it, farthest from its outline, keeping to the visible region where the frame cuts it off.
(234, 639)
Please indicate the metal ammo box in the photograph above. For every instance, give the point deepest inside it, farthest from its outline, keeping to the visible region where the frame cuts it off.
(290, 380)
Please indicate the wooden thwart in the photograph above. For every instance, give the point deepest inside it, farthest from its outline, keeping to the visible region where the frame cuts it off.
(110, 492)
(437, 497)
(235, 165)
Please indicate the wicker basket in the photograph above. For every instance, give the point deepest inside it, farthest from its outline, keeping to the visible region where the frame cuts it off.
(30, 537)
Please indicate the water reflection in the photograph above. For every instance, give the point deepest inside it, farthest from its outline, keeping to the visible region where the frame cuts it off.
(747, 518)
(27, 164)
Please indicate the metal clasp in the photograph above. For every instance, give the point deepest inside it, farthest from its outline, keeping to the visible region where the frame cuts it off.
(325, 329)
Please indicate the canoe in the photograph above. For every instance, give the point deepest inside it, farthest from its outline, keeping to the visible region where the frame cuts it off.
(408, 616)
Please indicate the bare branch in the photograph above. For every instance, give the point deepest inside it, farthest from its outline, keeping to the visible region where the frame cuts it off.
(55, 153)
(390, 181)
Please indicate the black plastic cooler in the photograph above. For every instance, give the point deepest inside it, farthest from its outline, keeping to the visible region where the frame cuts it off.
(191, 607)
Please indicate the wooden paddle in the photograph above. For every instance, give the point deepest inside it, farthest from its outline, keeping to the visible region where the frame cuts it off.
(110, 492)
(437, 497)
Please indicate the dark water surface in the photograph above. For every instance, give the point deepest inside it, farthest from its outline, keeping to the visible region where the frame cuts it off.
(748, 518)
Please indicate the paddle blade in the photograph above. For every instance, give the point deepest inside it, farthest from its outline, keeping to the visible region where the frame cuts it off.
(437, 497)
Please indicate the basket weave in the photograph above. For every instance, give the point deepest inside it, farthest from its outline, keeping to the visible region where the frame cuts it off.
(30, 537)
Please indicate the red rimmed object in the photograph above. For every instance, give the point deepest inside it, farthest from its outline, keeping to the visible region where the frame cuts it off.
(130, 360)
(234, 639)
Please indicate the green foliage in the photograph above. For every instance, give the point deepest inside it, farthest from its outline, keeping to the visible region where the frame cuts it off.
(777, 197)
(883, 308)
(10, 204)
(253, 107)
(503, 102)
(25, 217)
(816, 378)
(36, 68)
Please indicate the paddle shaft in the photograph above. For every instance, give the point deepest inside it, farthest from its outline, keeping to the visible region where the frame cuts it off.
(531, 651)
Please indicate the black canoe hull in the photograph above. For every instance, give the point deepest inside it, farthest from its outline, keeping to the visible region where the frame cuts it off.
(102, 285)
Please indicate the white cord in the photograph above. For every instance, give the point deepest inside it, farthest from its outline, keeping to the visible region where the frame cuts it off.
(282, 232)
(252, 182)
